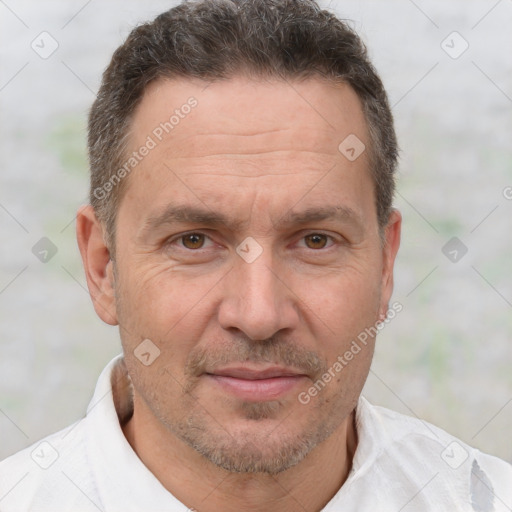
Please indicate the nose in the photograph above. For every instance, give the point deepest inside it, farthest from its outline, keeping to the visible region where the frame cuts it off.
(257, 299)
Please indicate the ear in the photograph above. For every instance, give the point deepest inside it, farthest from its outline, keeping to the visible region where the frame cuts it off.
(97, 264)
(392, 233)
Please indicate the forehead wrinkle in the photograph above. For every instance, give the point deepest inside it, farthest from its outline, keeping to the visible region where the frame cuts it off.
(190, 214)
(198, 215)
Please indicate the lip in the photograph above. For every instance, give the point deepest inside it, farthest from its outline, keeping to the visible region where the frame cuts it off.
(256, 384)
(247, 373)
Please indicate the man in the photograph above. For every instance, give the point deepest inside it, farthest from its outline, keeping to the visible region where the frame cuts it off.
(241, 234)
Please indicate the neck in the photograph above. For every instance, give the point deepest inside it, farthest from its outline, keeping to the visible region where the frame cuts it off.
(202, 486)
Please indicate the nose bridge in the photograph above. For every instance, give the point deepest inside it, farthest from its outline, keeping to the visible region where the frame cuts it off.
(256, 301)
(258, 287)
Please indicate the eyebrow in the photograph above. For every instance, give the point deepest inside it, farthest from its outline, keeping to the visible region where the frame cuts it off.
(175, 214)
(317, 214)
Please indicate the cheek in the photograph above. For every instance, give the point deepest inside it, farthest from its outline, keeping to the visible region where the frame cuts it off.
(345, 299)
(158, 302)
(342, 310)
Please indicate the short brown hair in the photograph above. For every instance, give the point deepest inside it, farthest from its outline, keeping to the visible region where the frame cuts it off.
(215, 40)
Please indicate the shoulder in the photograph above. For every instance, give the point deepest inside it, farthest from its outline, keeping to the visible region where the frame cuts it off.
(56, 474)
(48, 472)
(412, 454)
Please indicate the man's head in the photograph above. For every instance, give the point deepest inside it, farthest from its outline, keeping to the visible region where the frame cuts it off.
(254, 234)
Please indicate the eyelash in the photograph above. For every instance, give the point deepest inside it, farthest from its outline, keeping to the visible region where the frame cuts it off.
(181, 236)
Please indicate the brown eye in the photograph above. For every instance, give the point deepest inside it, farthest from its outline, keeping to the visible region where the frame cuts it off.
(316, 241)
(193, 240)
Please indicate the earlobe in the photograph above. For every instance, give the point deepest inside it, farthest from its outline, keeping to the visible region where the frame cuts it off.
(97, 264)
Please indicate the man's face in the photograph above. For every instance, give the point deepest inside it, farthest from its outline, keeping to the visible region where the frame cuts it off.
(248, 252)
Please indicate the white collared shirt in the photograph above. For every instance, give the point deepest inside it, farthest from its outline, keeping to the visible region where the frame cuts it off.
(401, 464)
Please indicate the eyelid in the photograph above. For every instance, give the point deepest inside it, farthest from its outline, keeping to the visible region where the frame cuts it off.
(175, 238)
(334, 240)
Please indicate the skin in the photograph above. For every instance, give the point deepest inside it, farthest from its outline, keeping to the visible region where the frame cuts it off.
(255, 152)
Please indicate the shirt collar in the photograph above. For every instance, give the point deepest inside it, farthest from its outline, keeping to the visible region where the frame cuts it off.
(123, 481)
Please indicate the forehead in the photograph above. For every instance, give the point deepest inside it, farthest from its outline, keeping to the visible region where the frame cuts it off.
(241, 139)
(317, 113)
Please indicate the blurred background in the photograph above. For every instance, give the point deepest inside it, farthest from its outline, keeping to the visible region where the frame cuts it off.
(446, 357)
